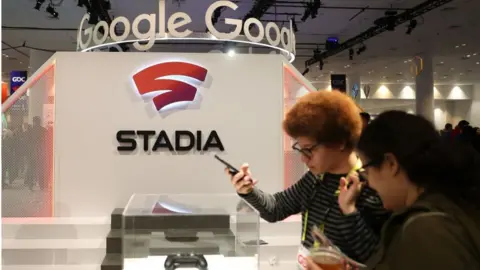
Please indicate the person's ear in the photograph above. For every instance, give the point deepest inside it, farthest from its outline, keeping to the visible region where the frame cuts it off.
(391, 164)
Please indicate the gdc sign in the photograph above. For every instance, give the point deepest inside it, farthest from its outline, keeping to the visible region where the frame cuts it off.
(285, 36)
(17, 78)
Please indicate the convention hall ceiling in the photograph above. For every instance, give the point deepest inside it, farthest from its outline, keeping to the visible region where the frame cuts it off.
(450, 32)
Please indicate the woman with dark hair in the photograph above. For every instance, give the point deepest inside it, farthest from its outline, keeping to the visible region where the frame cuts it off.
(326, 127)
(433, 189)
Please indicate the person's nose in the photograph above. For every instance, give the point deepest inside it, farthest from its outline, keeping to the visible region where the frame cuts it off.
(305, 159)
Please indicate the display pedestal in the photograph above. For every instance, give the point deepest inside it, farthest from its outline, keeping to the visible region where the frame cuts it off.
(155, 226)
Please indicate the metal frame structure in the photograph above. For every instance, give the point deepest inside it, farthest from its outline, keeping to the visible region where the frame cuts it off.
(401, 18)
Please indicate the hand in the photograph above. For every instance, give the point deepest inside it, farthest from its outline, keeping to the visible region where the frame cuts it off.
(243, 181)
(349, 194)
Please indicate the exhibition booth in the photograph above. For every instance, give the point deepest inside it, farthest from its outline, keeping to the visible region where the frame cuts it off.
(119, 134)
(120, 149)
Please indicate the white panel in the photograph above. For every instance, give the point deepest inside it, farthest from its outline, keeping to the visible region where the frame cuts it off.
(95, 98)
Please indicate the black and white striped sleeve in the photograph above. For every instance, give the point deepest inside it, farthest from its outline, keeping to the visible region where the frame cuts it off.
(281, 205)
(363, 227)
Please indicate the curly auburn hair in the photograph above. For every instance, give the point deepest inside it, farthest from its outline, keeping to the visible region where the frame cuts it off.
(329, 117)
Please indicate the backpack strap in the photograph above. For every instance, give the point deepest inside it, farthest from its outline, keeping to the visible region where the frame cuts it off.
(421, 214)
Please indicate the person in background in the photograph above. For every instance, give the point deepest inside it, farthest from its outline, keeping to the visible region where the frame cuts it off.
(36, 162)
(434, 189)
(446, 133)
(326, 126)
(458, 129)
(365, 119)
(7, 157)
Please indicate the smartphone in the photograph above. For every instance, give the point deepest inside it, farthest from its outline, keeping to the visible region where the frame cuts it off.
(231, 170)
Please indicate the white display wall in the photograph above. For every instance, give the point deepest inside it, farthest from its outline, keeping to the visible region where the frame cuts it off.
(242, 99)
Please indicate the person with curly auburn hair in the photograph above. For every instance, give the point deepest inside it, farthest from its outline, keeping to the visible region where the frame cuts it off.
(326, 127)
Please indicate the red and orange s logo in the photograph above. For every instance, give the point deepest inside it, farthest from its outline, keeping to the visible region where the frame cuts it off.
(171, 77)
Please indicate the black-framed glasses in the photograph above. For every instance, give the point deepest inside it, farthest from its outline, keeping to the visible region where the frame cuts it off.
(307, 151)
(362, 170)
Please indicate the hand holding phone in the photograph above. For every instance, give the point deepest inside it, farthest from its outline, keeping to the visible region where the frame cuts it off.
(241, 179)
(231, 170)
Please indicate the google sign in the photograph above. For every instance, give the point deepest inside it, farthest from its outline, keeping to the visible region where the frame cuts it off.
(270, 35)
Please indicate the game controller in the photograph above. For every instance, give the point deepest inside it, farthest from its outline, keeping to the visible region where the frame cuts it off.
(185, 260)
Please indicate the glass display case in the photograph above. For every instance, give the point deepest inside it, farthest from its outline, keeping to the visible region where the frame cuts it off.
(224, 230)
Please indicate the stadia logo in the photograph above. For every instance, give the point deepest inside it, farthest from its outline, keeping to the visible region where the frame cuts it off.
(170, 82)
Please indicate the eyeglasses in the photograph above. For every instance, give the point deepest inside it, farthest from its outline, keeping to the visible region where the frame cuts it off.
(307, 151)
(362, 170)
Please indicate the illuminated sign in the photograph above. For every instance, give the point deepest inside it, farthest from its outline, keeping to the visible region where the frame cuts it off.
(168, 27)
(170, 83)
(17, 79)
(181, 141)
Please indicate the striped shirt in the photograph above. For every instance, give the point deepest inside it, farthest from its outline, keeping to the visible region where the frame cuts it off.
(357, 234)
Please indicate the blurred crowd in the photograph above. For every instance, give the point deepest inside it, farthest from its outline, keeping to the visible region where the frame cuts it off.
(25, 156)
(463, 132)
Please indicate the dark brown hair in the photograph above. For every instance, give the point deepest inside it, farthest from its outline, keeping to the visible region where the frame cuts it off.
(431, 163)
(330, 118)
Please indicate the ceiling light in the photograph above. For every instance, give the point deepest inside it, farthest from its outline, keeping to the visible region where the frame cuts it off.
(474, 54)
(39, 4)
(361, 49)
(456, 47)
(463, 45)
(305, 71)
(478, 63)
(51, 10)
(452, 69)
(468, 56)
(441, 63)
(411, 26)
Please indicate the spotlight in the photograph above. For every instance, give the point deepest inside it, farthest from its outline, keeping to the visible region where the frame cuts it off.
(305, 71)
(350, 54)
(93, 18)
(321, 64)
(411, 26)
(80, 3)
(107, 5)
(294, 25)
(39, 4)
(361, 49)
(315, 6)
(51, 10)
(306, 14)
